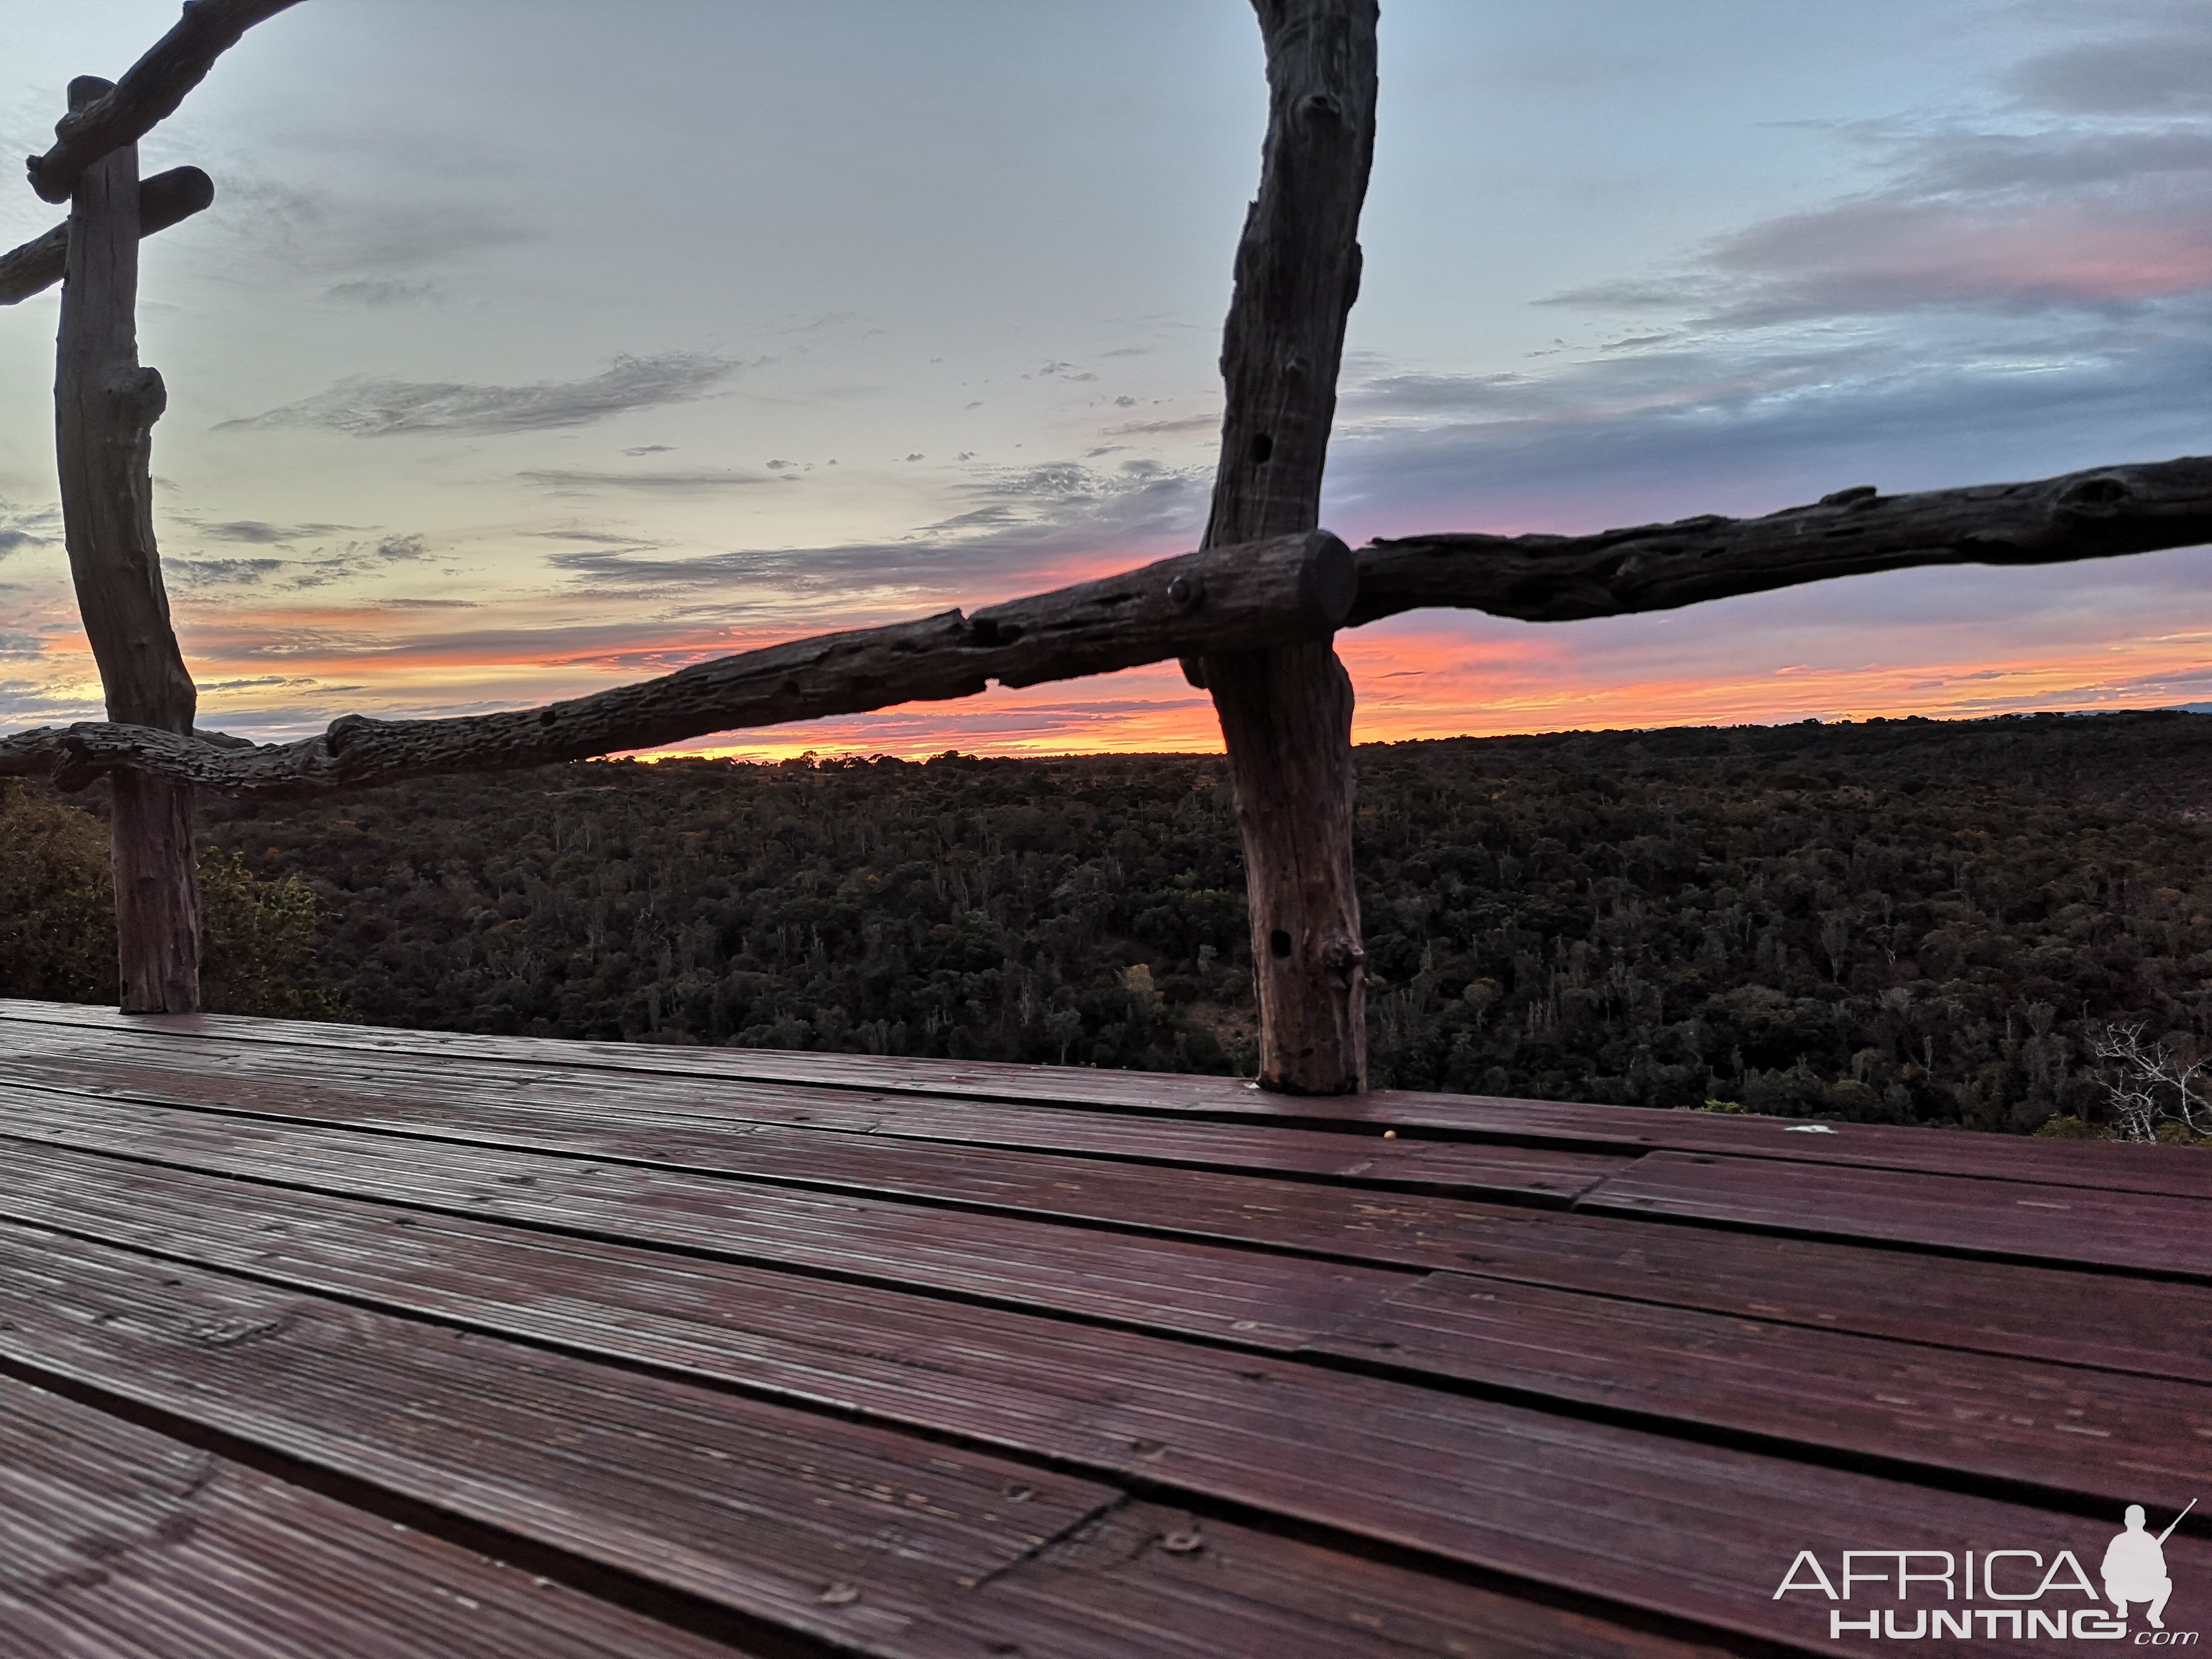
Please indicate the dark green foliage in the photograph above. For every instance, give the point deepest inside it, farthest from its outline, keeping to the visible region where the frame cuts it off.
(1894, 921)
(57, 918)
(968, 909)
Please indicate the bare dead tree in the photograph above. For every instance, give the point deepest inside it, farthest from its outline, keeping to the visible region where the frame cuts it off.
(2147, 1083)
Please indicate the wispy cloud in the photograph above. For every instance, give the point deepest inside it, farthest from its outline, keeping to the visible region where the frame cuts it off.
(577, 481)
(369, 408)
(323, 567)
(261, 532)
(219, 573)
(380, 293)
(1028, 523)
(27, 526)
(2092, 188)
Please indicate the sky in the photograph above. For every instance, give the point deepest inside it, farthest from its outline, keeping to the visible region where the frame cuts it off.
(532, 347)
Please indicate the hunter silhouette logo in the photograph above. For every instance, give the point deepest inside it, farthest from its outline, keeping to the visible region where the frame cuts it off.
(2135, 1567)
(2015, 1594)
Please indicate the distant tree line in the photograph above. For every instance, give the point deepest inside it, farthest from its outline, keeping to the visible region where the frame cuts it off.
(1884, 921)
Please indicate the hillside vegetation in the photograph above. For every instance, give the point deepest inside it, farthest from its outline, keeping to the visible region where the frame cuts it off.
(1881, 921)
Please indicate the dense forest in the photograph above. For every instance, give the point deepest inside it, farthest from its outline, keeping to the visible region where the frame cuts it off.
(1906, 921)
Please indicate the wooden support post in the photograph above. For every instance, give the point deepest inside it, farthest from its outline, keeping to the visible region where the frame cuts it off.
(1286, 712)
(104, 407)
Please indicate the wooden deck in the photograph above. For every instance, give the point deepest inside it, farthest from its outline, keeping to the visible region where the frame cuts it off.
(329, 1340)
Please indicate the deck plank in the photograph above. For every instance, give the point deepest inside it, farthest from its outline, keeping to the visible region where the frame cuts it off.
(2071, 1317)
(1247, 1594)
(1253, 1297)
(1555, 1123)
(2069, 1225)
(402, 1094)
(1397, 1226)
(613, 1465)
(996, 1377)
(755, 1506)
(116, 1541)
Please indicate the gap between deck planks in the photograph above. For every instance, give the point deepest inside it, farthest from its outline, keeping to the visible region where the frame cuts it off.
(724, 1497)
(1565, 1125)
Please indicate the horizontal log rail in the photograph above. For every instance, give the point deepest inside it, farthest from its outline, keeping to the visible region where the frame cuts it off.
(1239, 597)
(2099, 514)
(148, 92)
(1229, 598)
(166, 199)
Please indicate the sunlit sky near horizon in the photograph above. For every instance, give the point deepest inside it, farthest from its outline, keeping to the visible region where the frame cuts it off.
(533, 348)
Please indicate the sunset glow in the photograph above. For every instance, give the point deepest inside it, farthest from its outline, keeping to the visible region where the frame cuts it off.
(435, 448)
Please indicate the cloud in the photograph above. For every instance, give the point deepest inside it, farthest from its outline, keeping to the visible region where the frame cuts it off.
(2153, 73)
(2011, 298)
(380, 294)
(318, 569)
(576, 481)
(219, 573)
(261, 533)
(1749, 422)
(369, 408)
(1026, 521)
(2092, 190)
(1165, 429)
(27, 526)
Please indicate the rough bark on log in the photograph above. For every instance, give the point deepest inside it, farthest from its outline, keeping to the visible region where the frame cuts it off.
(164, 200)
(2100, 512)
(1292, 588)
(104, 407)
(1286, 713)
(148, 93)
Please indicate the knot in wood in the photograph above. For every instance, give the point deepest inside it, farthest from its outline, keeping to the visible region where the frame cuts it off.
(1321, 106)
(1341, 956)
(2094, 495)
(1186, 592)
(139, 395)
(340, 736)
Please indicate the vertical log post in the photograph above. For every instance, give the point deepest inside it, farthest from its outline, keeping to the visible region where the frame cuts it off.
(1286, 713)
(104, 407)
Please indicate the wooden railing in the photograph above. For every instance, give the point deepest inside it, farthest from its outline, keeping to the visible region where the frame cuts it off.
(1251, 613)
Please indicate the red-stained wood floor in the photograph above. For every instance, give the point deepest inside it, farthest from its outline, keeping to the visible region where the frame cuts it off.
(327, 1341)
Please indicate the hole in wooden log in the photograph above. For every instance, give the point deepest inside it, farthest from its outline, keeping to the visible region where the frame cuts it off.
(1278, 943)
(789, 688)
(986, 631)
(1263, 448)
(545, 717)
